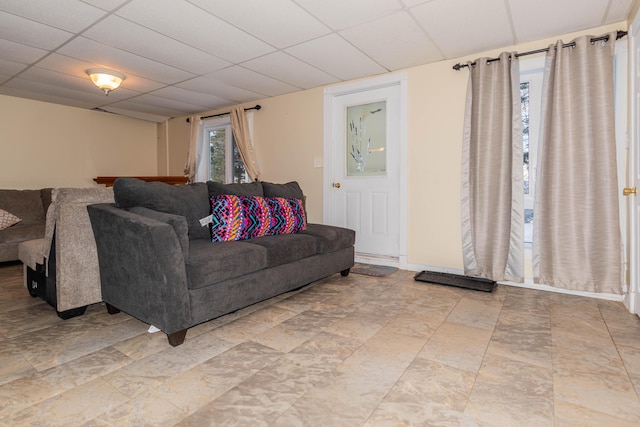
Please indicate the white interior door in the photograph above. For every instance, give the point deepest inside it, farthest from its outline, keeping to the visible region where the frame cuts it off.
(364, 177)
(634, 169)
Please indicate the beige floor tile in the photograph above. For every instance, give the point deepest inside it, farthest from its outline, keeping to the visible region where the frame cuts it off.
(510, 393)
(457, 345)
(476, 313)
(72, 407)
(428, 393)
(569, 415)
(212, 378)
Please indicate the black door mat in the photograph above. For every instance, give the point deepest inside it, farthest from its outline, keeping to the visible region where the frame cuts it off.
(475, 283)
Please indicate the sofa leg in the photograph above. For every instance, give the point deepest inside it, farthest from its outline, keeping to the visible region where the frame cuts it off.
(74, 312)
(111, 309)
(177, 338)
(345, 273)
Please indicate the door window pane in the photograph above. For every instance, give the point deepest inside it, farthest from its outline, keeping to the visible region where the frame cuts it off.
(367, 139)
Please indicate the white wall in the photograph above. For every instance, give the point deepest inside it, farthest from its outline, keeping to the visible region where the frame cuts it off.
(50, 145)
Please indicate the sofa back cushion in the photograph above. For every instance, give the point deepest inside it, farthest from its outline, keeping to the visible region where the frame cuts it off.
(25, 204)
(247, 217)
(190, 200)
(244, 189)
(290, 190)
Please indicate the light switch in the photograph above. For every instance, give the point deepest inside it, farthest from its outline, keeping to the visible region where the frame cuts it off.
(317, 162)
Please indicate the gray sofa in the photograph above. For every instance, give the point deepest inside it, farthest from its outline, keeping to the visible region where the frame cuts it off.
(62, 266)
(158, 264)
(31, 207)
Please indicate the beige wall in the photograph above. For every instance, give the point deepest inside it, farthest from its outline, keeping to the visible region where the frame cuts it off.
(288, 135)
(50, 145)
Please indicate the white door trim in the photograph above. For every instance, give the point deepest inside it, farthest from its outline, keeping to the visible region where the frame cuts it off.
(359, 86)
(633, 300)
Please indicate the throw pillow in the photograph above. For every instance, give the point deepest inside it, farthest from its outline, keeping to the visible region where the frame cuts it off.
(246, 217)
(7, 219)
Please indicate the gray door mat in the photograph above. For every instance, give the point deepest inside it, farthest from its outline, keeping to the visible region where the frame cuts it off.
(475, 283)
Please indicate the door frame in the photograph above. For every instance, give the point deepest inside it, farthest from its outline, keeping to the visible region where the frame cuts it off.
(633, 300)
(330, 93)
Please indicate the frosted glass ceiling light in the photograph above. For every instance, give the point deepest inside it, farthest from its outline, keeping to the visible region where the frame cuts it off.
(107, 80)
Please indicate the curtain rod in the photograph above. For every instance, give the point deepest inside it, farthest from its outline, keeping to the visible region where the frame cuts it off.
(619, 35)
(256, 107)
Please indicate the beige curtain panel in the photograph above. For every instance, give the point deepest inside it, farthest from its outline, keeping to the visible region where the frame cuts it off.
(240, 127)
(492, 187)
(192, 153)
(576, 223)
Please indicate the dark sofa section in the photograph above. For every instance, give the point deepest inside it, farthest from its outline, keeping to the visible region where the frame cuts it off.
(158, 264)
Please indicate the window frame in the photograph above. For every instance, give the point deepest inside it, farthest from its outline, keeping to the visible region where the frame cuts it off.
(218, 123)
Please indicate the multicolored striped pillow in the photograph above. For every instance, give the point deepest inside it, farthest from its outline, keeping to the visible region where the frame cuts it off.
(247, 217)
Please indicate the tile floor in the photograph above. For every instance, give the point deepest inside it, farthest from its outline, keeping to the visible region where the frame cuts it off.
(355, 351)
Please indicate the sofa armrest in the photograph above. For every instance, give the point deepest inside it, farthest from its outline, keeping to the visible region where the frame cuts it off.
(178, 222)
(142, 268)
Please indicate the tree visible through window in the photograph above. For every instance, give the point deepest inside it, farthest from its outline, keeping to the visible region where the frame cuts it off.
(225, 163)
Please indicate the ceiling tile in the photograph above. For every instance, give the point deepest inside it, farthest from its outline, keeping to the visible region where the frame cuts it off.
(618, 11)
(108, 5)
(149, 107)
(31, 33)
(527, 17)
(135, 114)
(455, 26)
(286, 68)
(281, 23)
(20, 53)
(335, 56)
(59, 17)
(168, 104)
(191, 25)
(53, 93)
(205, 100)
(395, 41)
(411, 3)
(122, 34)
(128, 63)
(9, 68)
(208, 84)
(340, 14)
(250, 80)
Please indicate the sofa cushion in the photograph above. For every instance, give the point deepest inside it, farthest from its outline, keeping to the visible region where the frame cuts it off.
(212, 263)
(286, 248)
(190, 200)
(247, 217)
(330, 238)
(7, 219)
(25, 204)
(244, 189)
(21, 232)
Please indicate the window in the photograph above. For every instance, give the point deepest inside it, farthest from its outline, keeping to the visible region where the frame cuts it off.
(225, 164)
(530, 101)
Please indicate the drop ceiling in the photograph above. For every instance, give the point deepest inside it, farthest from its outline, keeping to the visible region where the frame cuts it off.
(189, 56)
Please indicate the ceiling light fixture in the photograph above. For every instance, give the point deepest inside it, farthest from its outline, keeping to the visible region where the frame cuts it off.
(107, 80)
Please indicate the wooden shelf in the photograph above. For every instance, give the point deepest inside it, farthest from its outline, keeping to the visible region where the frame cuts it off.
(174, 180)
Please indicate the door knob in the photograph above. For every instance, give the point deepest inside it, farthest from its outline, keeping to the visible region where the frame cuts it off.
(628, 191)
(336, 184)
